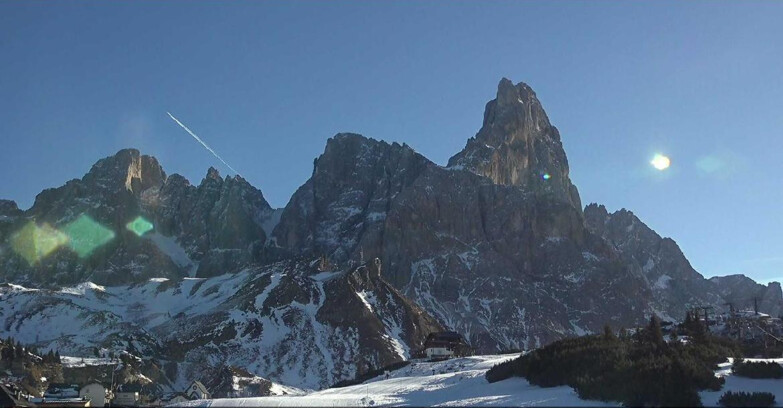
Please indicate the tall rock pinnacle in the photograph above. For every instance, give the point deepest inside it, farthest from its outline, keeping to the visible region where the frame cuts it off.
(518, 146)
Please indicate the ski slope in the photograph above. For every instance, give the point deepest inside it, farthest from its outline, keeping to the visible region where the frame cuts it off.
(456, 382)
(461, 382)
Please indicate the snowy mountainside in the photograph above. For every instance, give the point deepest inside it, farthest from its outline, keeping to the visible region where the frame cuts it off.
(461, 382)
(294, 322)
(456, 382)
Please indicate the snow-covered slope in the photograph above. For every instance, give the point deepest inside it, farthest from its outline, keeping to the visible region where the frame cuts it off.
(736, 384)
(457, 382)
(461, 382)
(298, 323)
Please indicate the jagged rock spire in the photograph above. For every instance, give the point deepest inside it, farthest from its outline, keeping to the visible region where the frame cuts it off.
(518, 146)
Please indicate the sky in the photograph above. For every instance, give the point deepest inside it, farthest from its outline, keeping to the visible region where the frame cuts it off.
(266, 83)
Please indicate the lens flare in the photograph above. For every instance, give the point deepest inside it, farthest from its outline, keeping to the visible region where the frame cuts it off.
(546, 176)
(34, 242)
(85, 235)
(660, 162)
(139, 226)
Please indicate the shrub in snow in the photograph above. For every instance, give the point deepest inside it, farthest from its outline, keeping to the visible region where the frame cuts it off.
(640, 370)
(747, 399)
(757, 369)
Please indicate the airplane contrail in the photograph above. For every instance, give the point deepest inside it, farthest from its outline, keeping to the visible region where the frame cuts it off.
(198, 139)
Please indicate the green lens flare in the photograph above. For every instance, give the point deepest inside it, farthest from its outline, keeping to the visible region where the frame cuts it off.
(139, 226)
(34, 242)
(85, 235)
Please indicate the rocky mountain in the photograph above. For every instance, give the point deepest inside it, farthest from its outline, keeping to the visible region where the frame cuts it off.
(299, 323)
(495, 245)
(745, 294)
(210, 279)
(90, 228)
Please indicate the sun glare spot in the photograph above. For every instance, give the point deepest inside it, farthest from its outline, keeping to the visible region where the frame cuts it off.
(34, 242)
(660, 162)
(139, 226)
(85, 235)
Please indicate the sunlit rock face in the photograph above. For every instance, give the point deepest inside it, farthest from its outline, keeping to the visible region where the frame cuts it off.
(517, 146)
(742, 292)
(213, 228)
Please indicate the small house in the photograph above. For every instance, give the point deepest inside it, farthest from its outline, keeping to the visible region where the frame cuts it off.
(197, 390)
(442, 345)
(127, 395)
(58, 391)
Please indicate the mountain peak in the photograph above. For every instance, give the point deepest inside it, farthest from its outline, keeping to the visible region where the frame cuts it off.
(9, 208)
(213, 174)
(128, 169)
(518, 146)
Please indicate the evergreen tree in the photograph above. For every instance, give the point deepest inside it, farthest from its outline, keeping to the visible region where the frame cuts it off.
(623, 334)
(608, 333)
(688, 320)
(654, 332)
(674, 336)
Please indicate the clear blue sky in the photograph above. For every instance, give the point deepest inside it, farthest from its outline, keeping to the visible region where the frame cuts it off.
(266, 83)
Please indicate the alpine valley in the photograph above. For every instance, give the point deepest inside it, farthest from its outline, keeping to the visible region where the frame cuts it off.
(379, 248)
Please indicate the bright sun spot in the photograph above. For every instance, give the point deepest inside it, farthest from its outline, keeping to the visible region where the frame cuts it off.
(660, 162)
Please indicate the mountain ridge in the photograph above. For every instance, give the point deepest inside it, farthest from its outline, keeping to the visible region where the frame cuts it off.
(495, 245)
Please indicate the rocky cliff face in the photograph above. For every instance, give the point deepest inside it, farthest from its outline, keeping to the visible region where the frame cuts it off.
(741, 291)
(341, 211)
(80, 231)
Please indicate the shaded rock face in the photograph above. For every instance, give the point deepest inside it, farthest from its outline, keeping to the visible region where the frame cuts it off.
(674, 283)
(300, 323)
(508, 268)
(9, 209)
(517, 146)
(340, 212)
(213, 228)
(741, 292)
